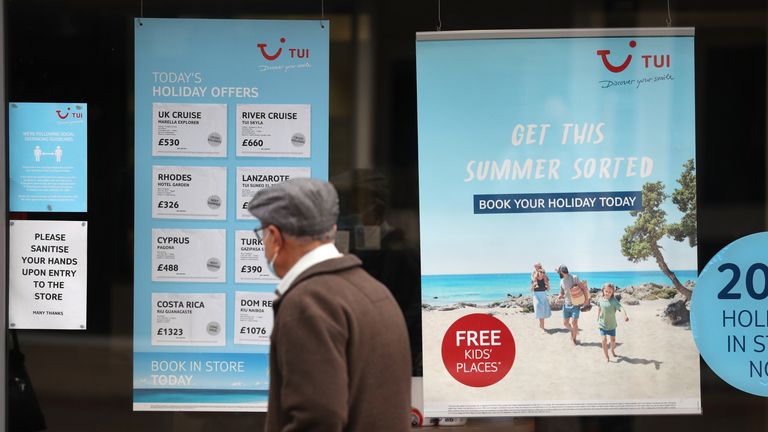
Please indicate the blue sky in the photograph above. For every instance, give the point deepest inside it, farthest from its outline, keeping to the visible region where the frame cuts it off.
(472, 94)
(252, 372)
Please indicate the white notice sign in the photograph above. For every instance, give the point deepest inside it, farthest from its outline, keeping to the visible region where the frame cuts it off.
(251, 180)
(250, 262)
(273, 130)
(189, 130)
(188, 319)
(47, 274)
(187, 192)
(253, 317)
(193, 255)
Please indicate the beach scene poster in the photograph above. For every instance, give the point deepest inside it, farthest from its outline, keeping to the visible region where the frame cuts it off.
(557, 187)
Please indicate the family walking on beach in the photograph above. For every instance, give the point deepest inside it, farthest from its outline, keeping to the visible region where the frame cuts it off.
(575, 297)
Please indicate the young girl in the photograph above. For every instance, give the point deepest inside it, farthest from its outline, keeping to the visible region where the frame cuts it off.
(606, 318)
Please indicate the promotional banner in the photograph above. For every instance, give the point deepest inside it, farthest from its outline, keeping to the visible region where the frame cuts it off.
(47, 275)
(48, 157)
(728, 316)
(558, 222)
(224, 108)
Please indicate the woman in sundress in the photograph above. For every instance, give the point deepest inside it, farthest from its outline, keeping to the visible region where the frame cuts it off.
(540, 289)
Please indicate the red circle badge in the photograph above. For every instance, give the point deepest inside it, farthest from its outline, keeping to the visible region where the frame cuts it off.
(478, 350)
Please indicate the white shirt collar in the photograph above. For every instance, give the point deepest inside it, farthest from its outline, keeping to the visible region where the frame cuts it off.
(317, 255)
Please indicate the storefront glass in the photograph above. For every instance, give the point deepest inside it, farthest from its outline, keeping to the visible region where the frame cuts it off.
(83, 51)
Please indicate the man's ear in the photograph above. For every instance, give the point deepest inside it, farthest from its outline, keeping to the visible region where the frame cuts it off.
(276, 235)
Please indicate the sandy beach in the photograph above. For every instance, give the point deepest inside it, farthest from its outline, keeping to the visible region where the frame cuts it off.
(656, 360)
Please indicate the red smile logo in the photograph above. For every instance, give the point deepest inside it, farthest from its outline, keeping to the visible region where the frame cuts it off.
(616, 69)
(58, 113)
(271, 57)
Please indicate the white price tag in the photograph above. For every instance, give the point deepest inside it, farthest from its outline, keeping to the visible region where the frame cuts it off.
(186, 192)
(194, 255)
(253, 317)
(251, 180)
(250, 261)
(188, 319)
(198, 130)
(273, 130)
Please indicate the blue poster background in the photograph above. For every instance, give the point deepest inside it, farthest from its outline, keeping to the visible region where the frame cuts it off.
(531, 149)
(48, 157)
(226, 54)
(472, 95)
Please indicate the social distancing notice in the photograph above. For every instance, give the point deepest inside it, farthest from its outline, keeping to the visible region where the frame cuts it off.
(48, 157)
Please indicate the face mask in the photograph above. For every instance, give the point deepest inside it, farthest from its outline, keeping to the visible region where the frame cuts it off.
(270, 262)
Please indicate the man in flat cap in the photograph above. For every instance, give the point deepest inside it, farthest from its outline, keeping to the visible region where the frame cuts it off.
(339, 357)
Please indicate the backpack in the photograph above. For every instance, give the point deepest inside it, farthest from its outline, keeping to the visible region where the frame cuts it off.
(577, 291)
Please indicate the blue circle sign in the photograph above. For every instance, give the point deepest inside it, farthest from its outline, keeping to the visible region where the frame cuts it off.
(729, 314)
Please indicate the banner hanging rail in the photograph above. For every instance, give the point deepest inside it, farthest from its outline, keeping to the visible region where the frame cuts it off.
(553, 33)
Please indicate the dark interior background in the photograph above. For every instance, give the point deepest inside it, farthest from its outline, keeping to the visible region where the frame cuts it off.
(82, 51)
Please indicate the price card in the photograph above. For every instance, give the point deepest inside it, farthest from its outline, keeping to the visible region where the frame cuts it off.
(198, 130)
(250, 261)
(188, 319)
(193, 255)
(186, 192)
(273, 130)
(251, 180)
(253, 317)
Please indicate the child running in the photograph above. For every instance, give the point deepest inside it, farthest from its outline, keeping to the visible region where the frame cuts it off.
(606, 317)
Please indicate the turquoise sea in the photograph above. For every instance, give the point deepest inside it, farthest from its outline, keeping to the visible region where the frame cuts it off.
(488, 288)
(199, 396)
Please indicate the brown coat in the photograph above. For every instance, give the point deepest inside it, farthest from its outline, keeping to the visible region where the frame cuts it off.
(340, 358)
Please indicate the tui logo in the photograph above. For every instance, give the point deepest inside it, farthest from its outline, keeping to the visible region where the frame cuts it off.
(294, 53)
(65, 115)
(607, 63)
(271, 57)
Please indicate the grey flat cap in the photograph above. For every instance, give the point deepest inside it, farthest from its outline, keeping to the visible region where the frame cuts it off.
(299, 207)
